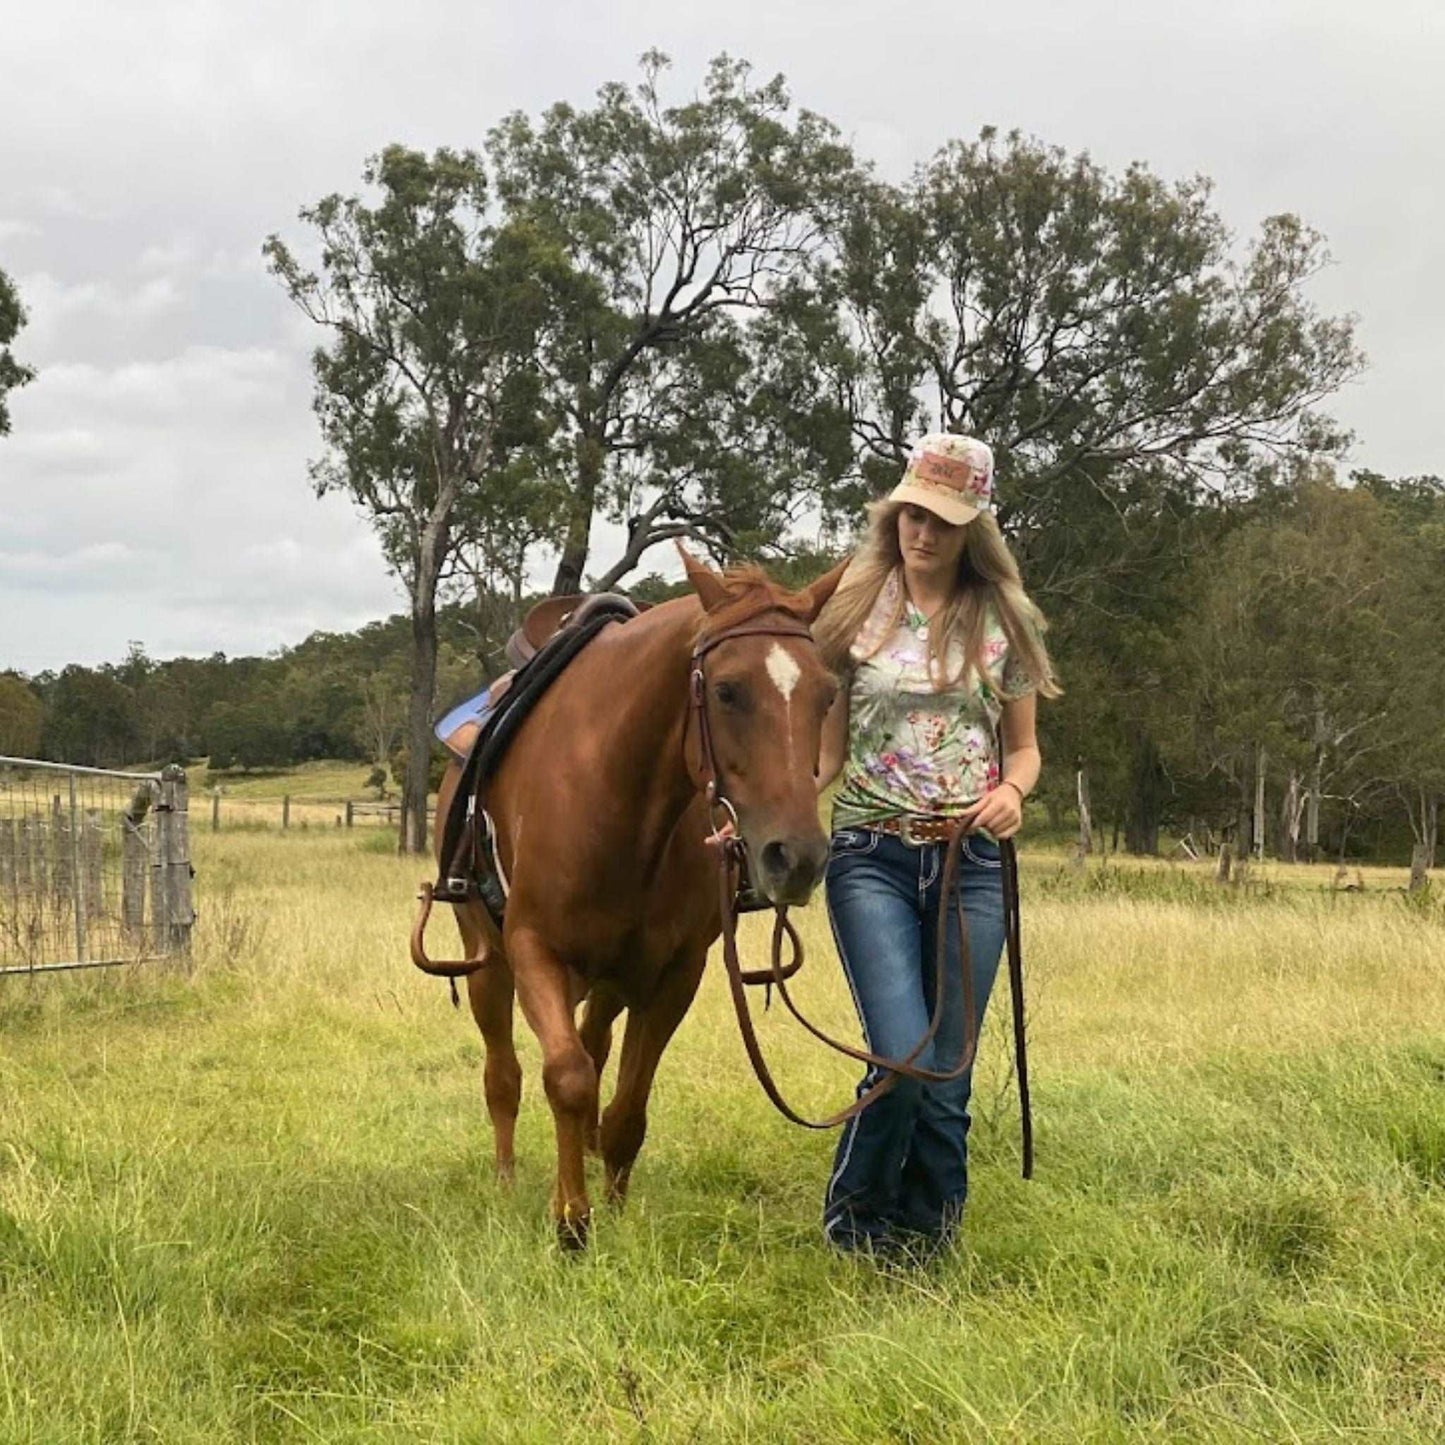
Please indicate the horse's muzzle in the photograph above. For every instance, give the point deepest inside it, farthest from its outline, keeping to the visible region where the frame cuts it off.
(789, 869)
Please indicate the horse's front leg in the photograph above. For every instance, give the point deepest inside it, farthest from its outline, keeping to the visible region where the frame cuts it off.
(624, 1125)
(568, 1075)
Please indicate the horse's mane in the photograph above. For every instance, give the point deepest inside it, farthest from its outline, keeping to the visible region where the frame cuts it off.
(750, 593)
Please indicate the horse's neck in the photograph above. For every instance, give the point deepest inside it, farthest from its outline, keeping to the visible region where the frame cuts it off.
(643, 724)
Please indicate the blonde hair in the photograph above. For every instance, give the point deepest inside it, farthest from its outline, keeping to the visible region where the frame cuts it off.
(988, 578)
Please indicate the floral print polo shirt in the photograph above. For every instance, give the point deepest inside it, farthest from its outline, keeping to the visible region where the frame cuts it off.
(911, 749)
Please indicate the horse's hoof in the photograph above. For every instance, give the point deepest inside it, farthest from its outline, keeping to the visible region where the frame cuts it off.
(506, 1173)
(572, 1233)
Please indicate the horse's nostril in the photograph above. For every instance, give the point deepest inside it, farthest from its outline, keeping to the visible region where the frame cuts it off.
(777, 859)
(789, 871)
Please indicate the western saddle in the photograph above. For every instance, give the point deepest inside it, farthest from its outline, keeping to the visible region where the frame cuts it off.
(541, 624)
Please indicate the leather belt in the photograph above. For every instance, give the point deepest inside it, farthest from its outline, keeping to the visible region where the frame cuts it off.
(915, 832)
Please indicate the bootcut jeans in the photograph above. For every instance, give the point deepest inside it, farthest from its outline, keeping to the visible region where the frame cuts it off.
(900, 1174)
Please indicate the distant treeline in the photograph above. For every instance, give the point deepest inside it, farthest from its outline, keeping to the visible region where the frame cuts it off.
(335, 695)
(1274, 666)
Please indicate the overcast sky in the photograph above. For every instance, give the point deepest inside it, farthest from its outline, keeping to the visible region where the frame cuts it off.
(154, 486)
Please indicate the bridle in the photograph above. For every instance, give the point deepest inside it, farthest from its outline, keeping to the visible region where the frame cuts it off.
(732, 854)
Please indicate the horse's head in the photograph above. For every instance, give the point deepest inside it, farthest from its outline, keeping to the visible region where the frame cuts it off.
(765, 694)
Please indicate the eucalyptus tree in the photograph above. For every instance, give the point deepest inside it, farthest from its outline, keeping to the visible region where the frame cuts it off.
(677, 410)
(425, 380)
(22, 717)
(1416, 509)
(1295, 660)
(1085, 323)
(1130, 365)
(12, 373)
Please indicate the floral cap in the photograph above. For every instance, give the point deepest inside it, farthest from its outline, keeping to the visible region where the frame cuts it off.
(950, 475)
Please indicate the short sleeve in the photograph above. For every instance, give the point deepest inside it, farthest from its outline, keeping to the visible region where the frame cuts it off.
(1017, 679)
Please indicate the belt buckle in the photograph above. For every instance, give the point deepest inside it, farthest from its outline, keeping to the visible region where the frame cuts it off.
(905, 831)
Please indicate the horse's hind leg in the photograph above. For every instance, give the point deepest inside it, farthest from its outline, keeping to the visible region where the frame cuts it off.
(543, 988)
(490, 991)
(624, 1125)
(600, 1013)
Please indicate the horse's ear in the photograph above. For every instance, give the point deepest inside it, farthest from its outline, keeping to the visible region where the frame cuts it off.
(705, 582)
(821, 590)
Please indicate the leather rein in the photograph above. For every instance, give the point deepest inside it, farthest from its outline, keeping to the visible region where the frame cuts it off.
(732, 853)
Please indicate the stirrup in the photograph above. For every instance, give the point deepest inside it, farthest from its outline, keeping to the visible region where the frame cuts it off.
(438, 968)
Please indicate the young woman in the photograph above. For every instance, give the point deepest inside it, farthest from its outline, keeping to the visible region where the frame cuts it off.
(942, 654)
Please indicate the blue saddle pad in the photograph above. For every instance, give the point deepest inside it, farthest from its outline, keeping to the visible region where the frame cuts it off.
(475, 709)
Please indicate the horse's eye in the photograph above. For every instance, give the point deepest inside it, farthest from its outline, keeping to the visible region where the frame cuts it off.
(729, 694)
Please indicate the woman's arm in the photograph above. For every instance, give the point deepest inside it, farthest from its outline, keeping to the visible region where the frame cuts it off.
(1001, 811)
(834, 747)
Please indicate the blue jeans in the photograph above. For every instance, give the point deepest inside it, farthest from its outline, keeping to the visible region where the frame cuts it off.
(900, 1174)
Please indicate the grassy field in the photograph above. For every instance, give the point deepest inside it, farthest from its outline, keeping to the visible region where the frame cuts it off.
(255, 1203)
(318, 792)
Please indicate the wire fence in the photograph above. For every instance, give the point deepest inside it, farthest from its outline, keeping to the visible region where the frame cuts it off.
(94, 866)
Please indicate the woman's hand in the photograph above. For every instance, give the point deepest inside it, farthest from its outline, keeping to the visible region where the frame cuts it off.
(1000, 811)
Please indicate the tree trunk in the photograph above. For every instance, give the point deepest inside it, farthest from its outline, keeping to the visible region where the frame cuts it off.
(590, 455)
(1317, 786)
(1086, 831)
(431, 554)
(1243, 819)
(1259, 761)
(419, 721)
(1432, 829)
(1141, 832)
(1290, 815)
(1419, 871)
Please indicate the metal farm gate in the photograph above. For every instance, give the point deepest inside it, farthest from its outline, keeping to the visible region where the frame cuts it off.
(95, 867)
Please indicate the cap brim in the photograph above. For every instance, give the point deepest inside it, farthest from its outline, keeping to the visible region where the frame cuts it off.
(952, 509)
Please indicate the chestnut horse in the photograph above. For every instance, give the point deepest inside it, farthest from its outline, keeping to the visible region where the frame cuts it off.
(602, 822)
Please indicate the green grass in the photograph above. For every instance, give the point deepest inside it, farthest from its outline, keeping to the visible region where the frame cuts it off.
(325, 781)
(255, 1203)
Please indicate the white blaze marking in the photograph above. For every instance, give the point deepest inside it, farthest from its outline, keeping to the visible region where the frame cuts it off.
(783, 671)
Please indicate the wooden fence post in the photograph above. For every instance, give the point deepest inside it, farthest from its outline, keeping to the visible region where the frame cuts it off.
(215, 810)
(10, 870)
(286, 811)
(92, 853)
(174, 914)
(76, 874)
(57, 843)
(349, 812)
(135, 865)
(33, 856)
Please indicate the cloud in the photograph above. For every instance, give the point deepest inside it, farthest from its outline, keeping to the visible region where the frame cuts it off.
(176, 503)
(155, 482)
(59, 310)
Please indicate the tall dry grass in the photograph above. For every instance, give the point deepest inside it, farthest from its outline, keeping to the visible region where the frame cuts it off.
(254, 1202)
